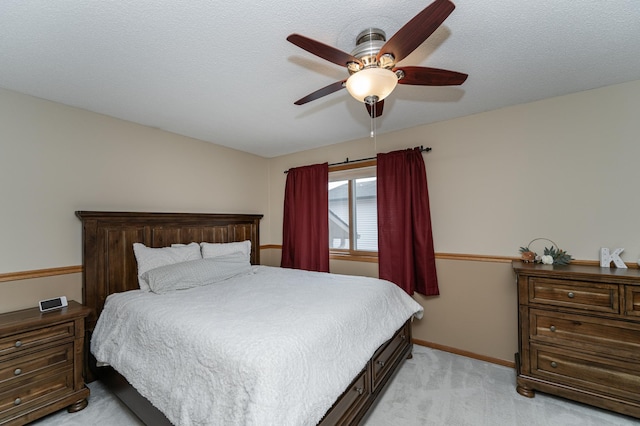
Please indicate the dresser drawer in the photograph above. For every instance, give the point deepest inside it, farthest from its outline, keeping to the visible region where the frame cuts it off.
(619, 339)
(585, 371)
(384, 359)
(575, 294)
(632, 298)
(34, 362)
(22, 341)
(41, 389)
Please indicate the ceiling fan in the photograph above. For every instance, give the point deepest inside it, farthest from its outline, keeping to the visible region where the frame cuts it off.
(372, 64)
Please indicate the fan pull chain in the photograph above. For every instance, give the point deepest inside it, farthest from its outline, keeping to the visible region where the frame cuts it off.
(375, 143)
(374, 113)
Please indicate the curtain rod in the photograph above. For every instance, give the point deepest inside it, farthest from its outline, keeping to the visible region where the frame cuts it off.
(347, 161)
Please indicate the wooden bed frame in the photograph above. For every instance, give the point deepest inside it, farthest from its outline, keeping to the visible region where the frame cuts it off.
(109, 266)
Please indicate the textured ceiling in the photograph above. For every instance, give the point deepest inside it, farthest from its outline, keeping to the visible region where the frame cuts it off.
(223, 71)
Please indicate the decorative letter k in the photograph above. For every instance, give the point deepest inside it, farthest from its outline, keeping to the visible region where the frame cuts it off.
(606, 258)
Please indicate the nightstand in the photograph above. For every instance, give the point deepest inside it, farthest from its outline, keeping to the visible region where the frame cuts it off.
(41, 363)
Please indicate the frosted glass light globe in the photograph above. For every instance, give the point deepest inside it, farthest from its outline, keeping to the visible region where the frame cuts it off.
(372, 83)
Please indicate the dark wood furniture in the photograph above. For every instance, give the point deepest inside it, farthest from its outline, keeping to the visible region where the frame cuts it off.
(354, 403)
(41, 363)
(579, 334)
(109, 266)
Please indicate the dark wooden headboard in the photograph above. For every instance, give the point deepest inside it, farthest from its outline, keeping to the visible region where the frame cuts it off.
(109, 264)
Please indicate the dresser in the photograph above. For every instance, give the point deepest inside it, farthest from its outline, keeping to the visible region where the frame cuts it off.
(41, 363)
(579, 334)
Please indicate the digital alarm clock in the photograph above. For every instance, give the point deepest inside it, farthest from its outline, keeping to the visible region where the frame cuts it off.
(53, 304)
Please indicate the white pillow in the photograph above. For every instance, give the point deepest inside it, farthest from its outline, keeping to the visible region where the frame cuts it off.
(196, 273)
(150, 258)
(222, 249)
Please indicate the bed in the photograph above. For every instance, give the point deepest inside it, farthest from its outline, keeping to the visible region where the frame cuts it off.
(109, 266)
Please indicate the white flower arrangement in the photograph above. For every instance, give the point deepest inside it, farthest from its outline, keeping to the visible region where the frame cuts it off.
(551, 255)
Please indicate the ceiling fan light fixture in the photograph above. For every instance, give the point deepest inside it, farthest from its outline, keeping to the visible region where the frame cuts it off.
(371, 83)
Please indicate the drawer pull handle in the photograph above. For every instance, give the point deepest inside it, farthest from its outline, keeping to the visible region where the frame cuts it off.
(554, 364)
(571, 295)
(360, 391)
(404, 337)
(17, 372)
(18, 401)
(381, 363)
(552, 328)
(18, 344)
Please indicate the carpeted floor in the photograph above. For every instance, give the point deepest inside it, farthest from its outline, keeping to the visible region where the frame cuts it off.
(434, 388)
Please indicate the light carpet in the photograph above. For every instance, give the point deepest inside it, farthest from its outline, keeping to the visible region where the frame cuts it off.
(434, 388)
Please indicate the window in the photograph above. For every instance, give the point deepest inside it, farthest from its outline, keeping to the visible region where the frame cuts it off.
(353, 213)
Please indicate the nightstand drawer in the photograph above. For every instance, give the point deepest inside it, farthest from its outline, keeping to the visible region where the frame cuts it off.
(43, 388)
(22, 341)
(575, 294)
(38, 361)
(585, 371)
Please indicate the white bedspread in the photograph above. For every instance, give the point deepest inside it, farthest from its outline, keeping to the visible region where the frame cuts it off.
(274, 347)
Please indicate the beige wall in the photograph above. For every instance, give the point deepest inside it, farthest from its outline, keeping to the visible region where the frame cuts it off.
(57, 159)
(476, 310)
(26, 293)
(563, 168)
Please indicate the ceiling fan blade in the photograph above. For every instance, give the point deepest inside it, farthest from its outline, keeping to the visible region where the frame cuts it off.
(423, 76)
(322, 50)
(327, 90)
(377, 111)
(417, 30)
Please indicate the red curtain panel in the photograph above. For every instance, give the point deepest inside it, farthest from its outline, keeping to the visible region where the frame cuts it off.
(405, 242)
(305, 232)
